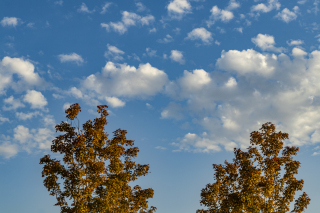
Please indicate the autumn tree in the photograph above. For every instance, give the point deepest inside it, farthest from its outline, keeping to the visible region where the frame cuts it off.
(95, 171)
(258, 180)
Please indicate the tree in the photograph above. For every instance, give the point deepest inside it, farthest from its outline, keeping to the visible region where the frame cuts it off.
(255, 182)
(96, 171)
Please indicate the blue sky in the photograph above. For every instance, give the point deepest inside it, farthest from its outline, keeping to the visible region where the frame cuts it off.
(188, 79)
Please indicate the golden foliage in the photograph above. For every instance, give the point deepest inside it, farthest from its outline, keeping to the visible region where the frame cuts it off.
(95, 171)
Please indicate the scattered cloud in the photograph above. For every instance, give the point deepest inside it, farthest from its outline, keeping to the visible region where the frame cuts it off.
(172, 111)
(105, 7)
(233, 4)
(178, 8)
(36, 99)
(23, 69)
(286, 15)
(200, 34)
(140, 7)
(12, 104)
(266, 43)
(195, 143)
(72, 57)
(218, 14)
(126, 81)
(177, 56)
(60, 2)
(113, 53)
(26, 116)
(295, 42)
(10, 21)
(84, 9)
(239, 29)
(166, 39)
(272, 4)
(115, 102)
(150, 52)
(302, 1)
(128, 19)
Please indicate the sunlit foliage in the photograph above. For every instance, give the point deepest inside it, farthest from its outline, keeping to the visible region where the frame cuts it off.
(95, 171)
(258, 180)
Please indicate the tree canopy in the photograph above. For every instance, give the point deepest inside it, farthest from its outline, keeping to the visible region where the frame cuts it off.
(258, 180)
(95, 171)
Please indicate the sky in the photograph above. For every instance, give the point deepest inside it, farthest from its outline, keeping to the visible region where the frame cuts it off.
(188, 79)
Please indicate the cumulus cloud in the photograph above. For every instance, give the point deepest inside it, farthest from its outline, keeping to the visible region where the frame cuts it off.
(196, 143)
(127, 81)
(286, 15)
(113, 53)
(72, 57)
(9, 22)
(266, 43)
(255, 88)
(295, 42)
(27, 78)
(272, 4)
(30, 140)
(8, 150)
(166, 39)
(36, 99)
(246, 61)
(200, 34)
(105, 7)
(3, 119)
(84, 9)
(219, 14)
(26, 116)
(233, 4)
(178, 8)
(12, 104)
(115, 102)
(177, 56)
(128, 19)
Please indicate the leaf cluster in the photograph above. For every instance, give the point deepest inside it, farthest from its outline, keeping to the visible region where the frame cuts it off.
(255, 182)
(96, 171)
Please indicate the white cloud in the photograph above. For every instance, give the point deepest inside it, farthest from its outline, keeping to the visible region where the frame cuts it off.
(200, 33)
(173, 110)
(128, 19)
(36, 99)
(194, 81)
(161, 147)
(140, 7)
(9, 22)
(23, 69)
(150, 52)
(233, 4)
(105, 7)
(72, 57)
(266, 43)
(218, 14)
(196, 143)
(177, 56)
(295, 42)
(178, 8)
(115, 102)
(13, 103)
(26, 116)
(40, 138)
(302, 1)
(128, 81)
(3, 119)
(166, 39)
(286, 15)
(84, 9)
(153, 30)
(66, 106)
(272, 4)
(75, 92)
(239, 29)
(255, 88)
(246, 61)
(113, 53)
(8, 149)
